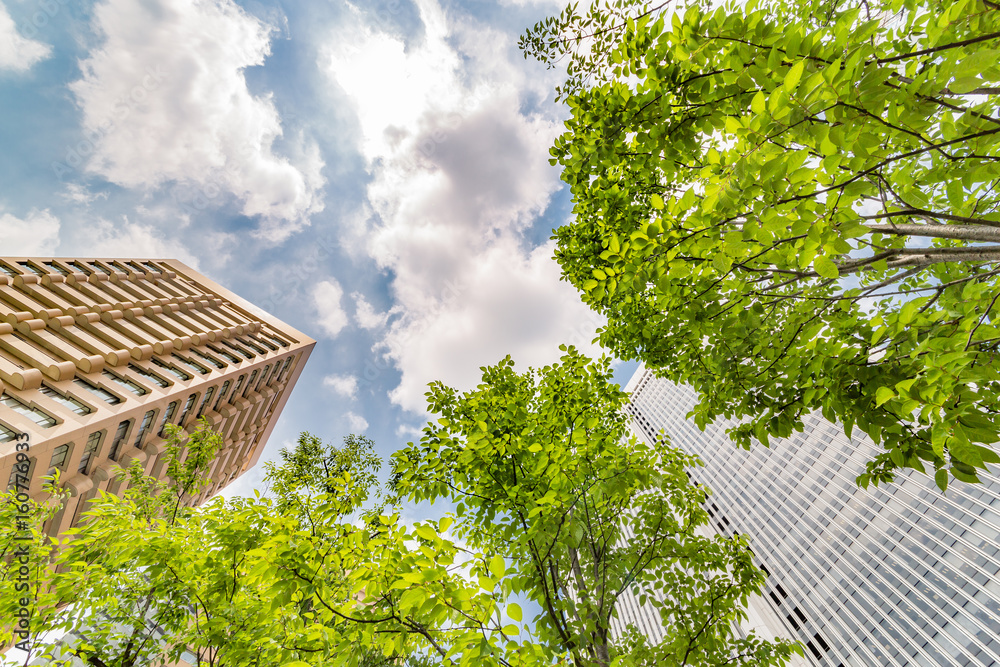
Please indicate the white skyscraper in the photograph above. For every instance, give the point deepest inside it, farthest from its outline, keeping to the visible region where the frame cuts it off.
(896, 575)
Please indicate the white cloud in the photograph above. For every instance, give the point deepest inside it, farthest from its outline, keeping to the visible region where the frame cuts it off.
(18, 53)
(460, 170)
(164, 100)
(509, 304)
(79, 194)
(345, 385)
(326, 297)
(366, 316)
(356, 423)
(37, 234)
(408, 431)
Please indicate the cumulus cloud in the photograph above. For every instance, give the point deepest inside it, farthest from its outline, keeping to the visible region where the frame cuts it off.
(331, 316)
(366, 315)
(164, 101)
(36, 234)
(460, 171)
(356, 423)
(345, 385)
(509, 304)
(17, 53)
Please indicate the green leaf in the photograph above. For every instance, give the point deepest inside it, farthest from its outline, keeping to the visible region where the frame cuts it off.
(965, 85)
(514, 611)
(907, 312)
(794, 75)
(941, 478)
(656, 201)
(825, 267)
(497, 567)
(883, 394)
(759, 103)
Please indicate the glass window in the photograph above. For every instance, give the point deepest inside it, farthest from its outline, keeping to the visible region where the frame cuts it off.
(58, 459)
(121, 267)
(7, 270)
(278, 341)
(236, 389)
(152, 267)
(81, 267)
(89, 451)
(103, 394)
(66, 401)
(181, 375)
(119, 439)
(31, 267)
(34, 414)
(123, 383)
(20, 476)
(253, 376)
(187, 409)
(204, 402)
(147, 421)
(6, 435)
(268, 344)
(152, 377)
(238, 349)
(58, 269)
(211, 360)
(288, 362)
(257, 348)
(101, 268)
(263, 376)
(196, 367)
(167, 416)
(222, 394)
(228, 355)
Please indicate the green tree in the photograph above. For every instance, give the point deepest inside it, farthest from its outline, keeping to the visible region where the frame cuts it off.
(575, 511)
(147, 578)
(555, 505)
(792, 207)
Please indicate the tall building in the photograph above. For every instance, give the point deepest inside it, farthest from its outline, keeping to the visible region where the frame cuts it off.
(897, 575)
(98, 356)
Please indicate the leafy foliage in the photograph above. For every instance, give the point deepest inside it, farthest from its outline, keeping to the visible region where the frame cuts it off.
(574, 511)
(792, 206)
(556, 506)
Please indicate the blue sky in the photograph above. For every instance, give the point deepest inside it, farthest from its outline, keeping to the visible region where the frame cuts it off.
(375, 174)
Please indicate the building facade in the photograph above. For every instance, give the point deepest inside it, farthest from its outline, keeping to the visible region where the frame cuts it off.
(897, 575)
(98, 356)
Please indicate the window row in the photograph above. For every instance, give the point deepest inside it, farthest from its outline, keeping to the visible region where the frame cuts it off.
(87, 268)
(42, 418)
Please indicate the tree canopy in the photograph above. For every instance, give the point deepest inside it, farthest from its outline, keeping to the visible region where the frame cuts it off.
(792, 207)
(556, 505)
(546, 476)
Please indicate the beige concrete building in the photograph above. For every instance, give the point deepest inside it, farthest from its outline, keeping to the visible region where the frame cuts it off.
(98, 355)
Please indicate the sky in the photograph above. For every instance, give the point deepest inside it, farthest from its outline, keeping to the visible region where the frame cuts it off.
(374, 174)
